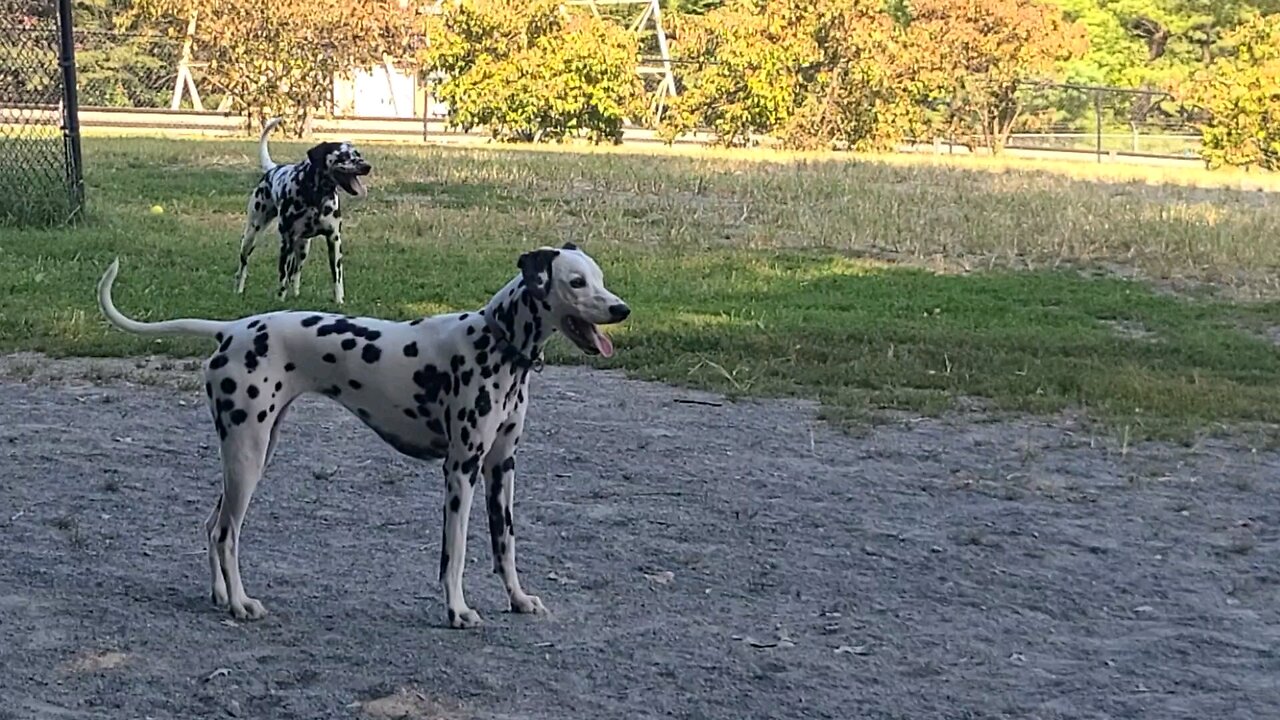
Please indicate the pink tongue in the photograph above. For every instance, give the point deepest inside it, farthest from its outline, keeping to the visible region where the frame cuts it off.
(603, 343)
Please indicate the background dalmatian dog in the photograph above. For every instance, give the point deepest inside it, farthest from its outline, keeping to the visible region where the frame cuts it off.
(451, 387)
(304, 196)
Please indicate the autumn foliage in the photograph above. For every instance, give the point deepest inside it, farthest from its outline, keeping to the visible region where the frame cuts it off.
(280, 58)
(856, 74)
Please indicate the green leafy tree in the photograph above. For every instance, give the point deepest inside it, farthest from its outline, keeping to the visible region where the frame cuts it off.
(741, 68)
(1240, 95)
(533, 71)
(859, 94)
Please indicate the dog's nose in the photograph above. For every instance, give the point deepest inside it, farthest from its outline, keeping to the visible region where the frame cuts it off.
(619, 312)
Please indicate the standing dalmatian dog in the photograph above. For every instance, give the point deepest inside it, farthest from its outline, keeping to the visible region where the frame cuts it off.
(304, 196)
(451, 387)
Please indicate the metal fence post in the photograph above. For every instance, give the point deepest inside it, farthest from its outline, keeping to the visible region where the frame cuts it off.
(70, 106)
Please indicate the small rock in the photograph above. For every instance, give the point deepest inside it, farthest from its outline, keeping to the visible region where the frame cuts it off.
(233, 708)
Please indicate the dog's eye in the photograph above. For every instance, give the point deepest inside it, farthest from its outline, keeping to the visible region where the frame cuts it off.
(578, 283)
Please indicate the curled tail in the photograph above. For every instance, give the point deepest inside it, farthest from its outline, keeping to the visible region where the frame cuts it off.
(205, 328)
(264, 156)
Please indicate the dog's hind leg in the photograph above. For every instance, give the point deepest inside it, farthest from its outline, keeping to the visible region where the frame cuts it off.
(459, 487)
(499, 476)
(251, 230)
(260, 212)
(243, 457)
(334, 240)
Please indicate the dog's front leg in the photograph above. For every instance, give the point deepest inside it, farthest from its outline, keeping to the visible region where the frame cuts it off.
(335, 264)
(500, 476)
(459, 479)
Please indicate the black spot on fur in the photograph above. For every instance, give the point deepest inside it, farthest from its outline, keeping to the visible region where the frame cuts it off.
(371, 353)
(218, 361)
(332, 391)
(238, 416)
(208, 389)
(355, 384)
(255, 323)
(349, 344)
(279, 386)
(455, 504)
(329, 358)
(225, 344)
(252, 390)
(409, 413)
(373, 335)
(290, 367)
(411, 350)
(262, 416)
(484, 404)
(250, 361)
(308, 322)
(225, 405)
(362, 413)
(228, 386)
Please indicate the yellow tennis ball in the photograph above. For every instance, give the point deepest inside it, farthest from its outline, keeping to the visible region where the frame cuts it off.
(157, 210)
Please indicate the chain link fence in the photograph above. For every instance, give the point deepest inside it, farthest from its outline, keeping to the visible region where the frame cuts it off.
(39, 128)
(1100, 121)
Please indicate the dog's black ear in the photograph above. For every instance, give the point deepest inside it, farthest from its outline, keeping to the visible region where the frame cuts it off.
(569, 246)
(535, 266)
(317, 154)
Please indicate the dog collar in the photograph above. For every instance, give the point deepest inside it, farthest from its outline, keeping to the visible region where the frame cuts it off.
(509, 350)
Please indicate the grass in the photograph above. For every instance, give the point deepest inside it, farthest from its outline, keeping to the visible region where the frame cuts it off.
(883, 283)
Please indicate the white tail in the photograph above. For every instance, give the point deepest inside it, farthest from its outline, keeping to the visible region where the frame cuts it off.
(264, 156)
(203, 328)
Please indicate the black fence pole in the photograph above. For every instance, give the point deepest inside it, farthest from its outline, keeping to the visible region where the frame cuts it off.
(70, 105)
(1097, 115)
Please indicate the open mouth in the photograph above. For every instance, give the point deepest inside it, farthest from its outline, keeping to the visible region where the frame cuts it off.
(586, 336)
(350, 182)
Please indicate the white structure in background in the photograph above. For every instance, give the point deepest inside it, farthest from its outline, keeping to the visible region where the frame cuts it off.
(384, 91)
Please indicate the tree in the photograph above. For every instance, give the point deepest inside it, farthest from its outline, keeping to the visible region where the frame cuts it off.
(1240, 94)
(976, 54)
(742, 65)
(859, 93)
(533, 71)
(282, 56)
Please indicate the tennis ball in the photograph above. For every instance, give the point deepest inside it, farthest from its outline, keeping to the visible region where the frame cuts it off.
(157, 210)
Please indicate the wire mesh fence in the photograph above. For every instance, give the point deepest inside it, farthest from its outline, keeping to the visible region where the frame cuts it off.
(39, 140)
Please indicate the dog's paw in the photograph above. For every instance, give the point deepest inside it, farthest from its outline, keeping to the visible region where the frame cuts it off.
(466, 618)
(218, 595)
(250, 609)
(527, 605)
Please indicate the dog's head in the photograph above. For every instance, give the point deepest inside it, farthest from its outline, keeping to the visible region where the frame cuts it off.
(342, 163)
(572, 285)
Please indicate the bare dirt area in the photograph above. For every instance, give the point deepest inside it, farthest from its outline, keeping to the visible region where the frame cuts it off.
(724, 560)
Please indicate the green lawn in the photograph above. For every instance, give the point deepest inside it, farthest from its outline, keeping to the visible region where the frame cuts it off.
(868, 285)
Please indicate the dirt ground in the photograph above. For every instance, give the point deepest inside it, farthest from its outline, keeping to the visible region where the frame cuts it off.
(724, 560)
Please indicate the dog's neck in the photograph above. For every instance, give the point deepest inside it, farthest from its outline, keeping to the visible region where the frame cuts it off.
(519, 323)
(316, 179)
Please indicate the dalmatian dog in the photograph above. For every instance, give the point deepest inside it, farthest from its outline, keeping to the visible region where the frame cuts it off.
(451, 387)
(304, 198)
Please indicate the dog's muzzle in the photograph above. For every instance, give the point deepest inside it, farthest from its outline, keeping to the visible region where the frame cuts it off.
(587, 336)
(349, 180)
